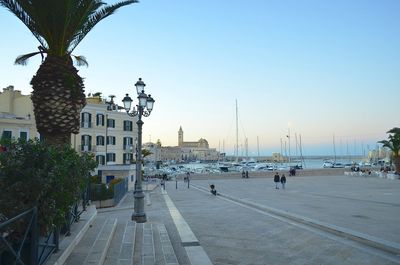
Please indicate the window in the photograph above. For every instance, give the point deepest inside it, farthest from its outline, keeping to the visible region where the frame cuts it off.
(128, 157)
(128, 143)
(23, 136)
(127, 126)
(99, 140)
(86, 143)
(101, 159)
(110, 157)
(111, 140)
(110, 123)
(100, 120)
(86, 120)
(6, 135)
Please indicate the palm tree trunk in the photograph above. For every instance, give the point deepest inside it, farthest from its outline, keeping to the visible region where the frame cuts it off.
(58, 98)
(396, 161)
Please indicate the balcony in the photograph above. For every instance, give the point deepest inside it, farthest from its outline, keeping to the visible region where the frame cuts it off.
(86, 148)
(128, 147)
(85, 124)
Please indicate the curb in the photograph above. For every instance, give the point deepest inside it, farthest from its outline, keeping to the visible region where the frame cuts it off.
(68, 244)
(189, 241)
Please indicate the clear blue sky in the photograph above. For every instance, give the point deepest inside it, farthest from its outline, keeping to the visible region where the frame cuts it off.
(320, 68)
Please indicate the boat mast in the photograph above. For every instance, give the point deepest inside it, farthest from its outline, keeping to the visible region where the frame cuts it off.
(334, 149)
(289, 143)
(247, 149)
(296, 145)
(258, 149)
(237, 134)
(301, 152)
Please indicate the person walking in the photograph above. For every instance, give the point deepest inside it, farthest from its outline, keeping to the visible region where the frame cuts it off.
(276, 180)
(283, 181)
(188, 179)
(247, 174)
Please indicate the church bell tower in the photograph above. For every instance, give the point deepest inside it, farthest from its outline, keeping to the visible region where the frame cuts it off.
(180, 137)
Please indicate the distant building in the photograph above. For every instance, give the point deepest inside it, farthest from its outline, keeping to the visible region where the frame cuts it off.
(202, 143)
(16, 115)
(185, 151)
(171, 153)
(277, 157)
(189, 151)
(155, 152)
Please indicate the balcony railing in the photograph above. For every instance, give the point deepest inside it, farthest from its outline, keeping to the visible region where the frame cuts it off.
(128, 147)
(85, 124)
(86, 148)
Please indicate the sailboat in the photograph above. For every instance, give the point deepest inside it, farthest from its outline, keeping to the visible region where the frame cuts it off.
(333, 164)
(225, 166)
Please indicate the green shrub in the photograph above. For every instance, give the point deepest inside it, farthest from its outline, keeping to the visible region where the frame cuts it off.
(115, 181)
(100, 192)
(96, 179)
(35, 174)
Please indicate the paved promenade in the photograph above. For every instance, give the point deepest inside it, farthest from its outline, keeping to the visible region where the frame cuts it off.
(315, 220)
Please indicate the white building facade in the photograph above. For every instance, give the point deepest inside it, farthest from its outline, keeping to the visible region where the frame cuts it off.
(16, 115)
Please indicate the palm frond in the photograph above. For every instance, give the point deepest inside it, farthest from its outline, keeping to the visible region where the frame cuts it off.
(393, 142)
(395, 131)
(95, 17)
(23, 10)
(80, 60)
(61, 25)
(23, 59)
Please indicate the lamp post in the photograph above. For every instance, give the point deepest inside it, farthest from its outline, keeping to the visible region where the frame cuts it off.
(144, 108)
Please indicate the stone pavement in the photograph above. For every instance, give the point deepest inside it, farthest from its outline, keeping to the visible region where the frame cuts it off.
(315, 220)
(251, 222)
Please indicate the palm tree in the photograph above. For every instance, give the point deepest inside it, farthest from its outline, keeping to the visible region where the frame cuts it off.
(58, 91)
(145, 152)
(394, 145)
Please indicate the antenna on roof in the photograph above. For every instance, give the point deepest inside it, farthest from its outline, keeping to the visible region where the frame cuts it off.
(111, 105)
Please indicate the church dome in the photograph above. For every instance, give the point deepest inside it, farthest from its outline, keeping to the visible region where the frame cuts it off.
(203, 143)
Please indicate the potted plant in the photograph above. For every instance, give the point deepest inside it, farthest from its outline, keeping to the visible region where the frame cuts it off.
(393, 143)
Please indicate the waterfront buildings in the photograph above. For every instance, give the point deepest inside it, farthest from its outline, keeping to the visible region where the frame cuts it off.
(16, 115)
(106, 131)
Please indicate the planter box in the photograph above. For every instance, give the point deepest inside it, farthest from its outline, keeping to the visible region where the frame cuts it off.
(104, 204)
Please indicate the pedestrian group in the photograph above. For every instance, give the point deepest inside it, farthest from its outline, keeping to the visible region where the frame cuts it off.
(281, 179)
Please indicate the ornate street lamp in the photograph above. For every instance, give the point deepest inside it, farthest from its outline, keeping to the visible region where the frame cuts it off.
(144, 108)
